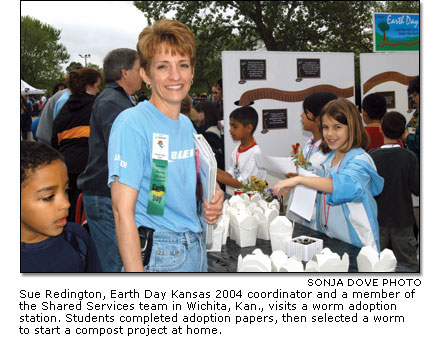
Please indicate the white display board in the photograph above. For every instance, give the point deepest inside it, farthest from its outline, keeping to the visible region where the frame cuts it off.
(280, 81)
(390, 74)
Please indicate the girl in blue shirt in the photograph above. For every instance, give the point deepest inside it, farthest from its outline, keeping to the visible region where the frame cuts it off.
(345, 207)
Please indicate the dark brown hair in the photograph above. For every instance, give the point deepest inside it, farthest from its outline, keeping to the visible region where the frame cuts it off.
(246, 115)
(393, 125)
(78, 79)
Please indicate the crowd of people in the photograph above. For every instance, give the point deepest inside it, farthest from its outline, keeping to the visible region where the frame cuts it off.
(30, 108)
(134, 164)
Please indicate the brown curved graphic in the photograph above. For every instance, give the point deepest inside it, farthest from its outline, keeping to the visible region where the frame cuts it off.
(390, 44)
(291, 96)
(384, 77)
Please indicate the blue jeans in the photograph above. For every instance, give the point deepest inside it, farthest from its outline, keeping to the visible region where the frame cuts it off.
(178, 252)
(102, 230)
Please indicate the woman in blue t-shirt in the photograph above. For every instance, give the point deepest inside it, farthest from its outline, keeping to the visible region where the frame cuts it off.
(151, 159)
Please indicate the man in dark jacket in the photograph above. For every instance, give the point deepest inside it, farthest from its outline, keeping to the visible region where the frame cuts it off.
(121, 72)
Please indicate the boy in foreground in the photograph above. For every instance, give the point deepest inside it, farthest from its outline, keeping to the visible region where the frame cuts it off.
(243, 166)
(400, 170)
(48, 242)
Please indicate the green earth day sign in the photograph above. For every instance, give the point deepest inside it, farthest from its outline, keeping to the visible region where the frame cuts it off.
(395, 32)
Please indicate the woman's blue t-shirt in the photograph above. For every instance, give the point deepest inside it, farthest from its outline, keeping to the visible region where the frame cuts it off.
(130, 159)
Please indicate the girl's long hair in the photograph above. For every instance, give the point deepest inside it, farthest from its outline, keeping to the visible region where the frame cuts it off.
(345, 112)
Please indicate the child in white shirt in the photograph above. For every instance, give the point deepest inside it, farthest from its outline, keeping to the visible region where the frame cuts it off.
(243, 122)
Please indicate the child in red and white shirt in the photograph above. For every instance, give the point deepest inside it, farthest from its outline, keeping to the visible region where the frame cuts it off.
(243, 166)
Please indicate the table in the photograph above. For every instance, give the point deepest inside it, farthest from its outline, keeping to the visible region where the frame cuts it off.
(227, 260)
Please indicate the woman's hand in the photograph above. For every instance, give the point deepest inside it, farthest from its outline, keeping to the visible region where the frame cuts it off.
(286, 185)
(213, 209)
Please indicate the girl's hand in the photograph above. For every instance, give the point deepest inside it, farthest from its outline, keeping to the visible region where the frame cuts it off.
(213, 210)
(286, 184)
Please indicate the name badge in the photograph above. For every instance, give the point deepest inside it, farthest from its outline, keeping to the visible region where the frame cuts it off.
(160, 143)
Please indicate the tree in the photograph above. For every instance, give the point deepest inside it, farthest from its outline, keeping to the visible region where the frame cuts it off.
(41, 53)
(211, 39)
(275, 25)
(281, 25)
(401, 6)
(383, 26)
(94, 66)
(326, 26)
(76, 64)
(73, 65)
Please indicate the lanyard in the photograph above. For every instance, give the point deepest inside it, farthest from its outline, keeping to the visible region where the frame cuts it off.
(239, 151)
(326, 212)
(312, 147)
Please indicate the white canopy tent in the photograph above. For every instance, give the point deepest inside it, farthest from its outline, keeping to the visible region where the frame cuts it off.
(29, 90)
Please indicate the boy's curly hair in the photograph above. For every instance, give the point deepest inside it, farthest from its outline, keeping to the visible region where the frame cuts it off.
(34, 155)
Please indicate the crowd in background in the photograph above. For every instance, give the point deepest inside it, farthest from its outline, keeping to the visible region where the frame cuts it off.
(31, 107)
(106, 157)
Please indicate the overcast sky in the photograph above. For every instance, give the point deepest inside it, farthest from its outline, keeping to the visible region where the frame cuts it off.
(90, 27)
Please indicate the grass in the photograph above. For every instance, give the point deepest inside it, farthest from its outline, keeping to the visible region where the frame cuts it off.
(392, 45)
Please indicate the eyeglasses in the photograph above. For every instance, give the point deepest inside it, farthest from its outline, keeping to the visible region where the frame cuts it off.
(215, 92)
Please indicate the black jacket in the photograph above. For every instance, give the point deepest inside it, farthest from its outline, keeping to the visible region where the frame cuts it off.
(71, 131)
(108, 105)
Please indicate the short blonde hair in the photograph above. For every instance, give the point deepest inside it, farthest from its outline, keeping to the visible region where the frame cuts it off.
(345, 112)
(176, 36)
